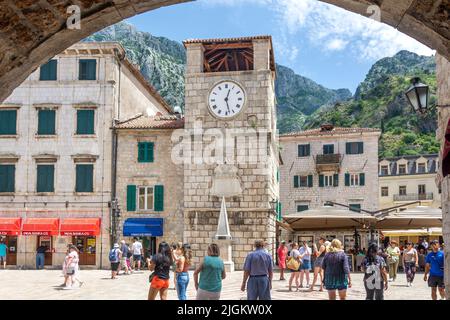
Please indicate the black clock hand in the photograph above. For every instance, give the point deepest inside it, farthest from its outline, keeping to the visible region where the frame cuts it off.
(226, 100)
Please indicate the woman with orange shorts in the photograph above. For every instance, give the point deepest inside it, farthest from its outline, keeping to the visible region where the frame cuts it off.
(160, 265)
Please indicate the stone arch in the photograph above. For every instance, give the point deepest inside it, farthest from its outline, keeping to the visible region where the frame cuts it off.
(31, 32)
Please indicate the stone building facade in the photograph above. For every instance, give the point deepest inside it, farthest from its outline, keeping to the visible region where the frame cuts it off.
(57, 154)
(443, 135)
(407, 179)
(140, 173)
(252, 212)
(329, 164)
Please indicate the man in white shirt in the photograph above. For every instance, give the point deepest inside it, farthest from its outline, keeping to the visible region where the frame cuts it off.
(137, 253)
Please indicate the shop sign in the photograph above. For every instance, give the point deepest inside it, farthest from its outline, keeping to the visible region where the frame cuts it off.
(76, 233)
(36, 233)
(91, 242)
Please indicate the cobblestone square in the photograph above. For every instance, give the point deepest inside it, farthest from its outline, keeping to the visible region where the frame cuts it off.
(44, 285)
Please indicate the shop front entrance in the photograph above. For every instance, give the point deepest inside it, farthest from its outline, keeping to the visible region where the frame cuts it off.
(47, 242)
(150, 246)
(11, 253)
(86, 246)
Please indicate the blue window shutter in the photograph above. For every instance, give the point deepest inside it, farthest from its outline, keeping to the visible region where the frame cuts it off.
(362, 179)
(45, 178)
(48, 71)
(46, 122)
(347, 179)
(7, 178)
(296, 182)
(159, 198)
(131, 198)
(8, 121)
(321, 180)
(310, 181)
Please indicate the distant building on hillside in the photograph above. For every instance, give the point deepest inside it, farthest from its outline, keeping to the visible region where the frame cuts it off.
(406, 179)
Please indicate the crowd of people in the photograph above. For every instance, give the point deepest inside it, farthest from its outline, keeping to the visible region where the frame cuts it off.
(380, 266)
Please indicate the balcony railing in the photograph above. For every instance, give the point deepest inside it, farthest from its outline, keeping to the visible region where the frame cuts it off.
(413, 196)
(328, 159)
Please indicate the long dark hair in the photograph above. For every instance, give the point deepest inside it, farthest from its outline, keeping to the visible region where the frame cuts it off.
(372, 252)
(165, 252)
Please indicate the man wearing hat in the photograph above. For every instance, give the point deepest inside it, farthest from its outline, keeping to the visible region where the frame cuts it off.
(114, 257)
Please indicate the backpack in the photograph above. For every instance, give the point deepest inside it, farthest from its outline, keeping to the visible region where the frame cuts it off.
(113, 256)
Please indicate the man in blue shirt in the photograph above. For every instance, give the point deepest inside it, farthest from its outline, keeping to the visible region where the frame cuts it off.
(3, 249)
(258, 270)
(435, 266)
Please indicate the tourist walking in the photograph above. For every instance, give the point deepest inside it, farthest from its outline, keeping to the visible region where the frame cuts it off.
(393, 258)
(176, 252)
(114, 258)
(282, 255)
(123, 261)
(212, 272)
(375, 274)
(3, 250)
(294, 264)
(258, 273)
(183, 264)
(70, 267)
(305, 267)
(435, 267)
(40, 256)
(336, 271)
(410, 263)
(138, 252)
(320, 255)
(160, 265)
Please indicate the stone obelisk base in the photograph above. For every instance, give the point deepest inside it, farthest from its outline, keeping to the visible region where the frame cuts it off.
(226, 253)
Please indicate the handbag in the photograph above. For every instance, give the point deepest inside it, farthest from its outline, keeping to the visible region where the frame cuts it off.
(70, 271)
(293, 264)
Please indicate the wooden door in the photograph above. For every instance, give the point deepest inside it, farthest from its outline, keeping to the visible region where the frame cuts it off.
(87, 249)
(11, 255)
(46, 241)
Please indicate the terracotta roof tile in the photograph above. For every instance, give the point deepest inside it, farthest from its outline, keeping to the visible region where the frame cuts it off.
(336, 130)
(189, 41)
(154, 122)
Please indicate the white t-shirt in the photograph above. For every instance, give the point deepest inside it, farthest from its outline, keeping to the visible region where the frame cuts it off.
(295, 253)
(307, 256)
(137, 247)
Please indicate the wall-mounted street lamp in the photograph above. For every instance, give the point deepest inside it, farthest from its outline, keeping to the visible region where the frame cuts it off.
(418, 95)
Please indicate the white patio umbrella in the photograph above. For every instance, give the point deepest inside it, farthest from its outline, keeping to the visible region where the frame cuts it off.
(328, 217)
(414, 218)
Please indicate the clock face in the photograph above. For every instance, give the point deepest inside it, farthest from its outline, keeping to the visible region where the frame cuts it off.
(226, 99)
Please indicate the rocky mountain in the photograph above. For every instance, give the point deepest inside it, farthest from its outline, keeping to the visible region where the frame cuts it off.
(380, 102)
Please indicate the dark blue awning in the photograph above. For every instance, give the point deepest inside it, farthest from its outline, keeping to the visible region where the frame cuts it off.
(143, 227)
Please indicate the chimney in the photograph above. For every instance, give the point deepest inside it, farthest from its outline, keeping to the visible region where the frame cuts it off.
(326, 127)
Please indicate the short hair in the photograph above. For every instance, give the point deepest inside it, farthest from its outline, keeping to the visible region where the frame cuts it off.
(214, 250)
(295, 244)
(434, 242)
(394, 242)
(259, 243)
(322, 238)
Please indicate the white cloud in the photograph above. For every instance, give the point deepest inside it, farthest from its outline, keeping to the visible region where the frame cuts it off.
(336, 45)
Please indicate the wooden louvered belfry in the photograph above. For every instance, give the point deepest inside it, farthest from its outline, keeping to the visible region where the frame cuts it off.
(234, 56)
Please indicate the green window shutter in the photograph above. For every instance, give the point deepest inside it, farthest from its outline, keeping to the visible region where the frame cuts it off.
(296, 182)
(278, 175)
(362, 179)
(336, 180)
(361, 147)
(141, 152)
(48, 71)
(308, 150)
(159, 198)
(131, 198)
(355, 207)
(301, 208)
(45, 178)
(88, 69)
(321, 182)
(347, 179)
(348, 148)
(280, 216)
(85, 121)
(8, 122)
(46, 122)
(310, 181)
(7, 178)
(150, 151)
(84, 177)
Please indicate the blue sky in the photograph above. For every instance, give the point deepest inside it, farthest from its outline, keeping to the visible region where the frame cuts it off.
(332, 46)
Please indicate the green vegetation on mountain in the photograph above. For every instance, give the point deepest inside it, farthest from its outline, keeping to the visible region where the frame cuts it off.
(379, 101)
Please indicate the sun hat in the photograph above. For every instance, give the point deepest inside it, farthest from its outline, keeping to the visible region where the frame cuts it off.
(116, 245)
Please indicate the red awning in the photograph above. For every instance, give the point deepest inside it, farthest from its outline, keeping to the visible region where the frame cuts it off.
(40, 227)
(10, 226)
(80, 227)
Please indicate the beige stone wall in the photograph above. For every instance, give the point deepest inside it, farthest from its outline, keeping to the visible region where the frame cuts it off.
(162, 171)
(316, 196)
(250, 213)
(443, 85)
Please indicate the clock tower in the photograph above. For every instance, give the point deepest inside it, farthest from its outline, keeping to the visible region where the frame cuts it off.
(230, 91)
